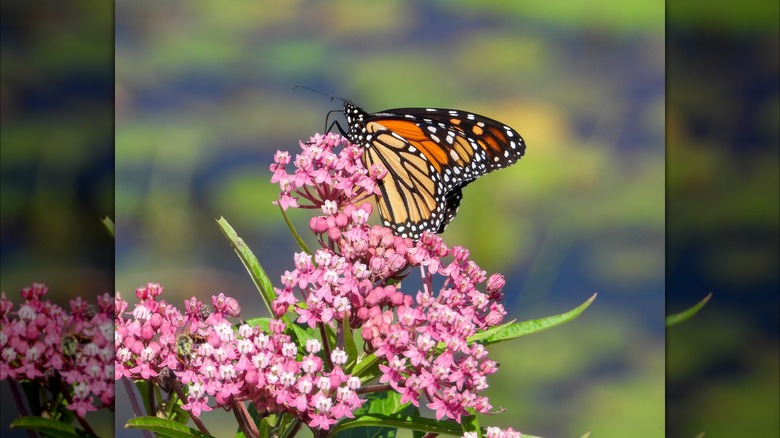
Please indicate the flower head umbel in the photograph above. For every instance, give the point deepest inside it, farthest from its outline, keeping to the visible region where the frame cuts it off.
(324, 178)
(423, 335)
(349, 287)
(42, 342)
(228, 362)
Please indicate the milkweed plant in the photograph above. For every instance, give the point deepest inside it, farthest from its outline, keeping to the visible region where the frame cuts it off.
(350, 348)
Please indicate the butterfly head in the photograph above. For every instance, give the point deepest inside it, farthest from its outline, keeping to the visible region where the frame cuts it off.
(356, 122)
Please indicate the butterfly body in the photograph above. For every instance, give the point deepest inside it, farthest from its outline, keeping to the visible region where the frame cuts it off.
(430, 155)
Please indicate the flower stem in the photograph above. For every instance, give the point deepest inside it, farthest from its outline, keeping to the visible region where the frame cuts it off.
(134, 403)
(295, 234)
(373, 388)
(244, 420)
(20, 404)
(325, 344)
(182, 396)
(82, 421)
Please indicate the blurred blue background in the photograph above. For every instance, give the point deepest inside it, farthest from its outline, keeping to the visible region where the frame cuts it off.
(204, 97)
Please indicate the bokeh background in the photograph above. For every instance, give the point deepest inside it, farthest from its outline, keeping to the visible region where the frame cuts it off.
(723, 216)
(56, 158)
(204, 97)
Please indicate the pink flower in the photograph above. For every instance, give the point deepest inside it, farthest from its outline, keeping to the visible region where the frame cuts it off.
(323, 177)
(44, 340)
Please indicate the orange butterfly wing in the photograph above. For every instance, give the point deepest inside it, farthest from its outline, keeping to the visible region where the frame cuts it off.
(430, 155)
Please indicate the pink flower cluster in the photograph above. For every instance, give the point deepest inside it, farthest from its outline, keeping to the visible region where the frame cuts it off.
(41, 340)
(422, 336)
(204, 352)
(324, 175)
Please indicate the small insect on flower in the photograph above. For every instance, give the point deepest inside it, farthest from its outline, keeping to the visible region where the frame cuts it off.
(72, 342)
(186, 345)
(70, 345)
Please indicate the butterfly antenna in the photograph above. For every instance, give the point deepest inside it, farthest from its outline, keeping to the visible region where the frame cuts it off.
(319, 92)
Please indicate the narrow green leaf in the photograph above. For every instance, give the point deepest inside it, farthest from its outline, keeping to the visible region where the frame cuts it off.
(518, 329)
(294, 232)
(47, 426)
(298, 334)
(109, 224)
(687, 314)
(287, 425)
(251, 264)
(301, 335)
(349, 344)
(266, 424)
(384, 404)
(469, 423)
(408, 422)
(367, 368)
(490, 332)
(164, 428)
(263, 323)
(143, 390)
(330, 335)
(178, 414)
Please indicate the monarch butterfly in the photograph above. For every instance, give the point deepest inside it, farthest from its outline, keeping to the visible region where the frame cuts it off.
(430, 155)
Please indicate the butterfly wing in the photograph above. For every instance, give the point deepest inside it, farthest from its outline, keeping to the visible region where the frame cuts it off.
(413, 197)
(430, 155)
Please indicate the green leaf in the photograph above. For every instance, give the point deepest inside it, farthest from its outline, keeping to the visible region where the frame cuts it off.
(687, 314)
(251, 264)
(179, 414)
(489, 332)
(349, 344)
(294, 232)
(109, 224)
(164, 428)
(48, 426)
(298, 333)
(143, 391)
(330, 335)
(301, 335)
(367, 369)
(385, 402)
(469, 423)
(517, 329)
(263, 323)
(287, 424)
(380, 416)
(266, 424)
(385, 424)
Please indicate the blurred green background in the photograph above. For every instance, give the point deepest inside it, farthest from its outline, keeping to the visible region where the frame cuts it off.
(56, 158)
(204, 98)
(723, 211)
